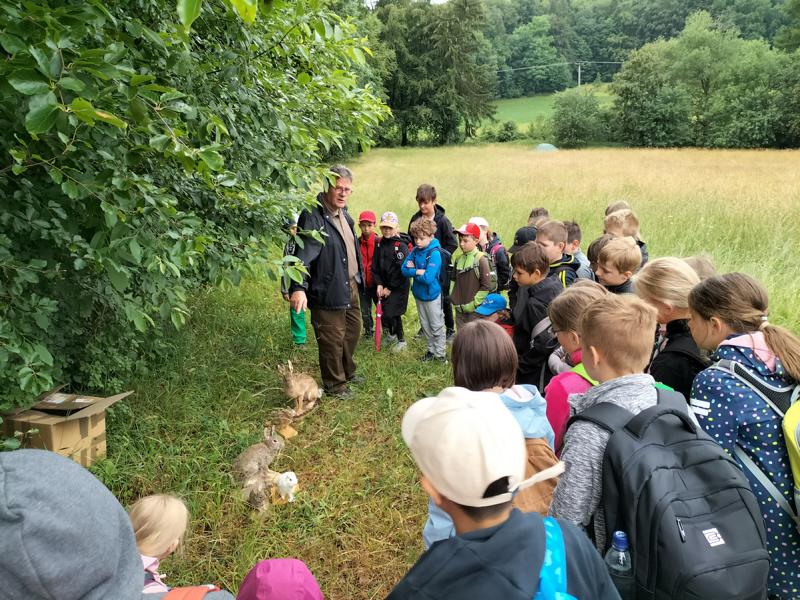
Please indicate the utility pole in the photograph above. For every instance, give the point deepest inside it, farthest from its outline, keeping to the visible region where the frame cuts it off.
(579, 74)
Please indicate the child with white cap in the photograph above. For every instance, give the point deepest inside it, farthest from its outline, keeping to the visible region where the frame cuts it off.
(472, 456)
(490, 243)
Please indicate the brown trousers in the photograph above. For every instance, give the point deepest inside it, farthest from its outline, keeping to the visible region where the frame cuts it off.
(337, 333)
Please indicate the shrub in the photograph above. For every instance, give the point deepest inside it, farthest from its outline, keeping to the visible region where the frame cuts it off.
(576, 118)
(146, 157)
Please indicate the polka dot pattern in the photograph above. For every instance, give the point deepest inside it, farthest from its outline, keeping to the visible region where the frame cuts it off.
(737, 415)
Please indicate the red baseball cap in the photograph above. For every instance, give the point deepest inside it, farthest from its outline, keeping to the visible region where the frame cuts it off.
(470, 229)
(367, 216)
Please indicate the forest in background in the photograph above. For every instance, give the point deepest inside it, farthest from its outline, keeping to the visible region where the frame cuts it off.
(441, 66)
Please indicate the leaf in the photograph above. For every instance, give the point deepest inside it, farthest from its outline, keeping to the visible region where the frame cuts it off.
(83, 109)
(11, 444)
(119, 278)
(70, 189)
(72, 84)
(247, 9)
(42, 60)
(109, 118)
(42, 114)
(136, 251)
(212, 158)
(11, 43)
(303, 78)
(44, 354)
(159, 142)
(28, 82)
(188, 11)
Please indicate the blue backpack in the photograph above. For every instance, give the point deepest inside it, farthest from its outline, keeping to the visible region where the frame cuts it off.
(553, 576)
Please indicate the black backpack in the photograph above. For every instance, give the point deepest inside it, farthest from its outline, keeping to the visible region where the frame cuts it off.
(446, 272)
(695, 527)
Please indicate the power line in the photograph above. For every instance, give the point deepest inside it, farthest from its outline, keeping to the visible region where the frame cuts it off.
(561, 64)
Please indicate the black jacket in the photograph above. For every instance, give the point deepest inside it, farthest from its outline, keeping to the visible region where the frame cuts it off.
(501, 262)
(643, 250)
(328, 285)
(530, 308)
(444, 229)
(623, 288)
(390, 256)
(504, 562)
(565, 269)
(677, 360)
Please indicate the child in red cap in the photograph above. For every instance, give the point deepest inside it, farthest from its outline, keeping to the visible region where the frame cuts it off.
(472, 278)
(367, 242)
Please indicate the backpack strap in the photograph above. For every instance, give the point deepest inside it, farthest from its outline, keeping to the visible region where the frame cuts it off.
(540, 327)
(553, 575)
(196, 592)
(779, 398)
(605, 415)
(764, 480)
(669, 402)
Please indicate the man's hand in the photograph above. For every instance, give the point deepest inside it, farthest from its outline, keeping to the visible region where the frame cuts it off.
(298, 301)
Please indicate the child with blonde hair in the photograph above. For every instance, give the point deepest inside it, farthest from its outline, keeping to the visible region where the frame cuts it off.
(729, 315)
(665, 284)
(159, 524)
(703, 265)
(618, 205)
(616, 263)
(616, 339)
(624, 223)
(565, 314)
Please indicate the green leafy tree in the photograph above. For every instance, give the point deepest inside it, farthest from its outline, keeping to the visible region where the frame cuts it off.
(788, 38)
(147, 152)
(537, 65)
(576, 118)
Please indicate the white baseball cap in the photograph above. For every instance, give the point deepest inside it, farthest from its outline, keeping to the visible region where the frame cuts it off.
(479, 221)
(464, 441)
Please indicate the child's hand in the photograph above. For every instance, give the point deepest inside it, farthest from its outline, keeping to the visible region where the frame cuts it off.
(387, 292)
(420, 271)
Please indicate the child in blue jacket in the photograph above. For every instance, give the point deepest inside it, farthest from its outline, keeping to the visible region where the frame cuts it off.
(423, 266)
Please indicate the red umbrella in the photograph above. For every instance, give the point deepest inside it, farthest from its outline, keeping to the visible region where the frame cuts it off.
(378, 315)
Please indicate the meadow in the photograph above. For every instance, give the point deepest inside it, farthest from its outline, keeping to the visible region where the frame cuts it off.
(526, 110)
(359, 512)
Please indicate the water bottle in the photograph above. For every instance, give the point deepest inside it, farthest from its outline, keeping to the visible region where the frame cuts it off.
(620, 567)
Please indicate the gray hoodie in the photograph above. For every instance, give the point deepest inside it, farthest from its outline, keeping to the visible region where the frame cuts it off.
(63, 535)
(580, 488)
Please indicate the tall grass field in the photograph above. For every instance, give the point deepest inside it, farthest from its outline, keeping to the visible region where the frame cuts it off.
(359, 511)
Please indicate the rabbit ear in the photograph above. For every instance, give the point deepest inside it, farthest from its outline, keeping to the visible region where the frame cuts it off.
(272, 433)
(291, 368)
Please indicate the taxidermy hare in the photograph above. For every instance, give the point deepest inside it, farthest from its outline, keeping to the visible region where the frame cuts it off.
(251, 468)
(300, 387)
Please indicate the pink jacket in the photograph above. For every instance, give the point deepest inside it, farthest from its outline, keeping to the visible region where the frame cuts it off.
(557, 393)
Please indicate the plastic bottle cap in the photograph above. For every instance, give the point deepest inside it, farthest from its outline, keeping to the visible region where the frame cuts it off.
(620, 541)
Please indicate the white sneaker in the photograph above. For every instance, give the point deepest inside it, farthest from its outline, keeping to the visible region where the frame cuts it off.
(390, 339)
(399, 347)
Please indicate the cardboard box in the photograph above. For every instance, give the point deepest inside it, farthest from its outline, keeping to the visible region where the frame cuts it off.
(74, 425)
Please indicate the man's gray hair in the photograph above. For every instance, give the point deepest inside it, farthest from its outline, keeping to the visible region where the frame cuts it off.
(342, 171)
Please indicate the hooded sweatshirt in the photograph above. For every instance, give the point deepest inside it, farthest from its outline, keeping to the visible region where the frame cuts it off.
(580, 488)
(425, 287)
(444, 228)
(503, 561)
(677, 359)
(734, 415)
(280, 579)
(565, 269)
(63, 535)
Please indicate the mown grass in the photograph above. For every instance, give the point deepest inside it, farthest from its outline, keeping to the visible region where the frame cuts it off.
(523, 111)
(358, 516)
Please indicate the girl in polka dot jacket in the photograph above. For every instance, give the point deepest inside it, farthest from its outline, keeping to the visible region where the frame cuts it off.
(729, 317)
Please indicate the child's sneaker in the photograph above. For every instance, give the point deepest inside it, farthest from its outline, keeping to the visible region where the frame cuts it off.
(427, 356)
(399, 347)
(390, 338)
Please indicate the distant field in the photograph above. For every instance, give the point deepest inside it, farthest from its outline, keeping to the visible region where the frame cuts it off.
(523, 111)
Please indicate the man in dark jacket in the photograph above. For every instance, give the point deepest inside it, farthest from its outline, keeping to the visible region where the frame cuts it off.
(429, 209)
(472, 456)
(331, 289)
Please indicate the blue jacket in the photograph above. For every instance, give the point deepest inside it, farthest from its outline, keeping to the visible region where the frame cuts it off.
(426, 286)
(504, 561)
(734, 415)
